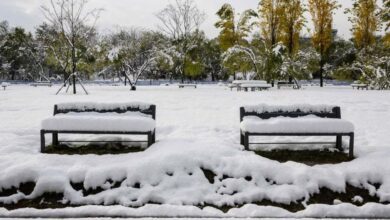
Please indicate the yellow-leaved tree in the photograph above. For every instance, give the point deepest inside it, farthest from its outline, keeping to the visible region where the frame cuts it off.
(270, 12)
(322, 12)
(364, 16)
(292, 21)
(234, 31)
(385, 15)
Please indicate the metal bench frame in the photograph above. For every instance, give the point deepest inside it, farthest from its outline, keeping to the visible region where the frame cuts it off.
(336, 113)
(151, 135)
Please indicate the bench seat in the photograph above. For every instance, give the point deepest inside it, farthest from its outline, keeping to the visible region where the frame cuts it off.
(99, 122)
(306, 124)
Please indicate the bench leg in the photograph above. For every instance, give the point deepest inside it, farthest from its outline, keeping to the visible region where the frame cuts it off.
(154, 137)
(339, 142)
(351, 145)
(242, 137)
(246, 141)
(150, 139)
(42, 141)
(55, 139)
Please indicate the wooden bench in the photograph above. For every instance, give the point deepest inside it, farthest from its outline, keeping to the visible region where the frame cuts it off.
(100, 118)
(182, 86)
(304, 120)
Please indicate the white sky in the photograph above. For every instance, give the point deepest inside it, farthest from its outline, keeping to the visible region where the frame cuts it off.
(140, 13)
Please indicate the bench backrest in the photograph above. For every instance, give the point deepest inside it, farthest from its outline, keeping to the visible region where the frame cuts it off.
(267, 112)
(144, 108)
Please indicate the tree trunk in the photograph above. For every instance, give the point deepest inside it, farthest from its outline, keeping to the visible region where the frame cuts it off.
(74, 68)
(321, 72)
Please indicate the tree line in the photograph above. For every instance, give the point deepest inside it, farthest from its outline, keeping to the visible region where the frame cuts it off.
(263, 43)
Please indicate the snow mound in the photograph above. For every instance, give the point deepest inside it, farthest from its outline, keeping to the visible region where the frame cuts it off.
(306, 124)
(99, 122)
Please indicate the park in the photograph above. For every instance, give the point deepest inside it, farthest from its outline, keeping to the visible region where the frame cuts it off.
(264, 120)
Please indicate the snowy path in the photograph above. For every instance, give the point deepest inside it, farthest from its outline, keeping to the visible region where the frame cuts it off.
(195, 128)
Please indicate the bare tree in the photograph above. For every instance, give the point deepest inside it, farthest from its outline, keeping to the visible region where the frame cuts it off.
(75, 24)
(179, 21)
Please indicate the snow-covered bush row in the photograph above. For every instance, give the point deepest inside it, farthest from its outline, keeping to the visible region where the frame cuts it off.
(169, 173)
(313, 211)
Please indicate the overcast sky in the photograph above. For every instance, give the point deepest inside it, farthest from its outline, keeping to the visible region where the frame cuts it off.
(140, 13)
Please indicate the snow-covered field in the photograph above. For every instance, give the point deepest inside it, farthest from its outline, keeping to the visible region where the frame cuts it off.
(196, 129)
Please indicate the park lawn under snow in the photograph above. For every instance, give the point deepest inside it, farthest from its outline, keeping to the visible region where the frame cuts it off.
(197, 130)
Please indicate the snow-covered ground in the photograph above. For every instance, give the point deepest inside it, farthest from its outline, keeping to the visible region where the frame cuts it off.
(196, 129)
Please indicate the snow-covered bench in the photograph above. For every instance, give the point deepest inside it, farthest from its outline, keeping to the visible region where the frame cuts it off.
(4, 85)
(100, 118)
(247, 85)
(182, 86)
(41, 83)
(285, 84)
(358, 86)
(255, 86)
(298, 120)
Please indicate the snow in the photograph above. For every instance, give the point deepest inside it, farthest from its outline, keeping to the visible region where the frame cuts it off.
(253, 85)
(196, 129)
(5, 84)
(98, 122)
(249, 82)
(357, 199)
(306, 124)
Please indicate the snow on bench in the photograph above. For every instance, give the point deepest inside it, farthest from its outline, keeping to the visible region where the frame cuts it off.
(359, 86)
(4, 85)
(249, 84)
(254, 86)
(41, 83)
(100, 118)
(305, 124)
(295, 120)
